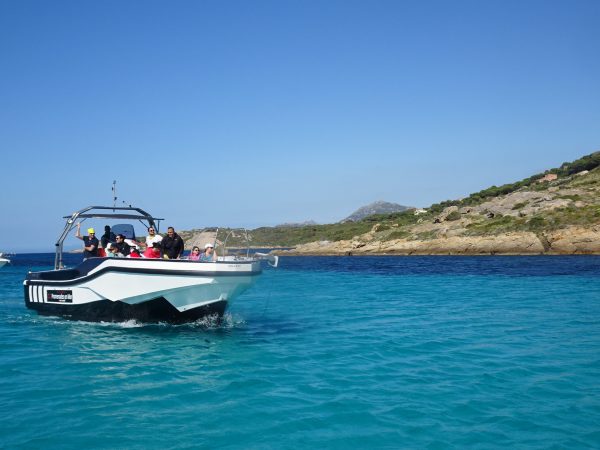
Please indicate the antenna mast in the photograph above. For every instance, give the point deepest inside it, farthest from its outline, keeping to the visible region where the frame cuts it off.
(114, 191)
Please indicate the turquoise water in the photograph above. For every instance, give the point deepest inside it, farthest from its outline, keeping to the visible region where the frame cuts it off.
(364, 352)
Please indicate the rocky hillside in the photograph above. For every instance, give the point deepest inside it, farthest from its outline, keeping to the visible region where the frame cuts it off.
(378, 207)
(557, 212)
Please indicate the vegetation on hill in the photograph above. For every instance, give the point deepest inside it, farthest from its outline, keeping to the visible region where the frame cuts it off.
(588, 162)
(526, 205)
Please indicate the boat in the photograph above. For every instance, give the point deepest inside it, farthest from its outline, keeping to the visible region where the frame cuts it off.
(3, 260)
(141, 289)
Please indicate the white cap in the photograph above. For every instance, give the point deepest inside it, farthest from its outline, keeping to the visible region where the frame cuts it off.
(209, 245)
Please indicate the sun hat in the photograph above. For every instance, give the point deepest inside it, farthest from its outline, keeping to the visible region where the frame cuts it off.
(209, 245)
(91, 230)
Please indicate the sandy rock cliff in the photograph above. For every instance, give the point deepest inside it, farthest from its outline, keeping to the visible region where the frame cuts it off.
(568, 241)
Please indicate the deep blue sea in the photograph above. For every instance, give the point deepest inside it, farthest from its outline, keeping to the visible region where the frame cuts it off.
(336, 353)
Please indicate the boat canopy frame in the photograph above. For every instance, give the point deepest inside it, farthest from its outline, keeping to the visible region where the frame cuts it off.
(272, 260)
(102, 212)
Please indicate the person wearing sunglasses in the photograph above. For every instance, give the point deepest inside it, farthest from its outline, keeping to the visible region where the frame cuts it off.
(90, 242)
(122, 246)
(195, 254)
(209, 254)
(152, 237)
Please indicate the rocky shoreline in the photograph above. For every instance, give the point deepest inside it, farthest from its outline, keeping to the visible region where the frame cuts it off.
(554, 214)
(569, 241)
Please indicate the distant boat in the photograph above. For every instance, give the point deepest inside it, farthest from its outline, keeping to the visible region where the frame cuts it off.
(3, 260)
(142, 289)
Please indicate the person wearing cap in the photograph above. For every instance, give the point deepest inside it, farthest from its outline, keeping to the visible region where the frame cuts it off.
(112, 251)
(209, 254)
(90, 242)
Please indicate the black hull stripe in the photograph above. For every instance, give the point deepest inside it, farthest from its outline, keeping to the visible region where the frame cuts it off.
(152, 311)
(189, 273)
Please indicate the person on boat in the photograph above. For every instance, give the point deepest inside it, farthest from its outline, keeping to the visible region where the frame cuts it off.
(153, 252)
(134, 253)
(172, 245)
(195, 254)
(112, 251)
(209, 254)
(122, 245)
(90, 242)
(152, 237)
(107, 237)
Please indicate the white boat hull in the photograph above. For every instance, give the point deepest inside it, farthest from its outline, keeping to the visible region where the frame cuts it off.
(4, 261)
(116, 289)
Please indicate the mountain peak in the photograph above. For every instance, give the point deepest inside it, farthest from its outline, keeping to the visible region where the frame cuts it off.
(378, 207)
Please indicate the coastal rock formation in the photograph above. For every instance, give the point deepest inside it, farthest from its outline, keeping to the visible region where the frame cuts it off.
(575, 240)
(557, 212)
(568, 241)
(508, 244)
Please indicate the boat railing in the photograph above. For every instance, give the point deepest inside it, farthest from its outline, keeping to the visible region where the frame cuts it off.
(234, 244)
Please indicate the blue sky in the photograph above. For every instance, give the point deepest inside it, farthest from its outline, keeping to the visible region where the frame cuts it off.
(252, 113)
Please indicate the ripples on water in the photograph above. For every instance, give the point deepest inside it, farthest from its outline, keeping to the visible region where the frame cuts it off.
(419, 352)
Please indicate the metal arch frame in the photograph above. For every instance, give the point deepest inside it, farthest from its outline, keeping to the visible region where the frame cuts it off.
(272, 260)
(143, 217)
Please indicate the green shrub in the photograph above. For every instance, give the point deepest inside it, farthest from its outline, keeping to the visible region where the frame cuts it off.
(397, 234)
(426, 235)
(499, 224)
(537, 223)
(454, 215)
(574, 197)
(401, 218)
(588, 162)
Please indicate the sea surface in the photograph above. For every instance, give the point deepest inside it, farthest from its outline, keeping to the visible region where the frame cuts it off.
(323, 352)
